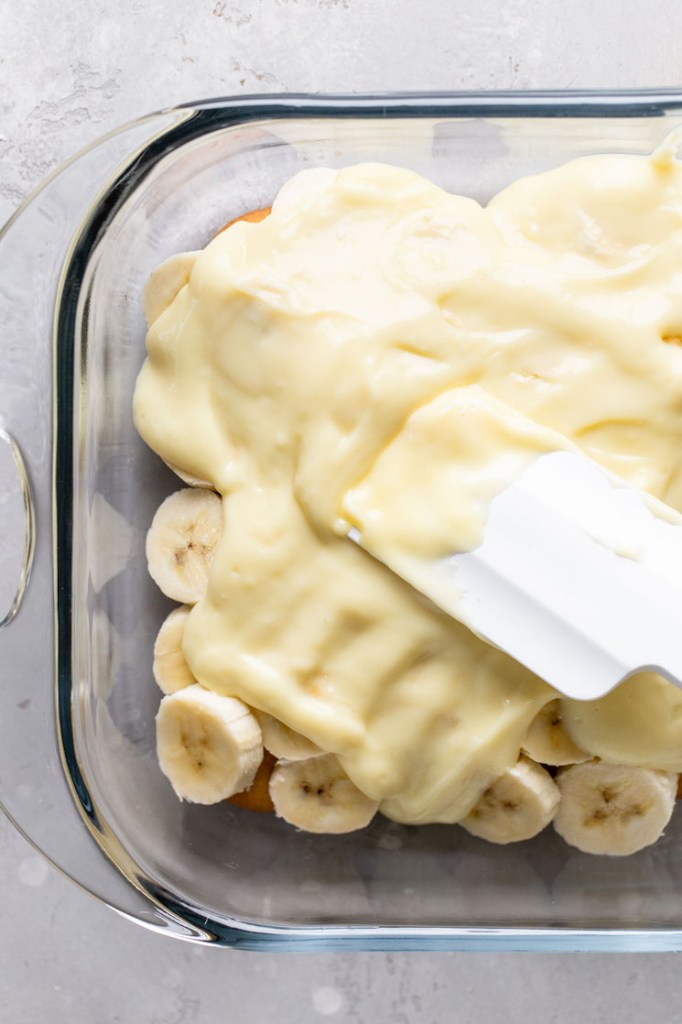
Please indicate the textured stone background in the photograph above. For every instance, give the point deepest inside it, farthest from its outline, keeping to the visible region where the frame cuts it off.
(72, 70)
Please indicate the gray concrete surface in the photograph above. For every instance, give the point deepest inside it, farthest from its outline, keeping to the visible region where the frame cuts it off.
(70, 71)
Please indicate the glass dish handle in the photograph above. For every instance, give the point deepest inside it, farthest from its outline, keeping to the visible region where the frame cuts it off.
(34, 791)
(29, 525)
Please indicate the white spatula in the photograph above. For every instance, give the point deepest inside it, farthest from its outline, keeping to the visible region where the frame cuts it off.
(579, 577)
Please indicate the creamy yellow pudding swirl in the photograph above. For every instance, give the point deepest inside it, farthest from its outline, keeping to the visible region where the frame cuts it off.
(296, 353)
(428, 493)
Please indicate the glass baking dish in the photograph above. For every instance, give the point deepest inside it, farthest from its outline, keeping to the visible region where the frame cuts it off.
(78, 773)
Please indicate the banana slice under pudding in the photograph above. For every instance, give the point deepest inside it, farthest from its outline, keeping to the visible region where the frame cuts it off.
(517, 806)
(613, 809)
(209, 746)
(181, 543)
(317, 796)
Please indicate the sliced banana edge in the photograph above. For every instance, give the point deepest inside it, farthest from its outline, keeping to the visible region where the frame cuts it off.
(614, 810)
(547, 740)
(317, 796)
(170, 668)
(518, 805)
(164, 283)
(181, 542)
(209, 746)
(284, 743)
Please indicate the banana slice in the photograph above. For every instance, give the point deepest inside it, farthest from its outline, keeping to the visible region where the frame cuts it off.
(171, 671)
(285, 743)
(181, 543)
(613, 809)
(547, 740)
(517, 806)
(317, 796)
(164, 284)
(209, 746)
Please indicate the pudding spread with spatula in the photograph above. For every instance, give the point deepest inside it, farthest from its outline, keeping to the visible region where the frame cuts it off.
(286, 357)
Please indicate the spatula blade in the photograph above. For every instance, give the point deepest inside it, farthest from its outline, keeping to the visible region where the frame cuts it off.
(578, 577)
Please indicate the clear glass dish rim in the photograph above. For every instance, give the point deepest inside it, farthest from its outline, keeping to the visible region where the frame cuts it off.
(200, 118)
